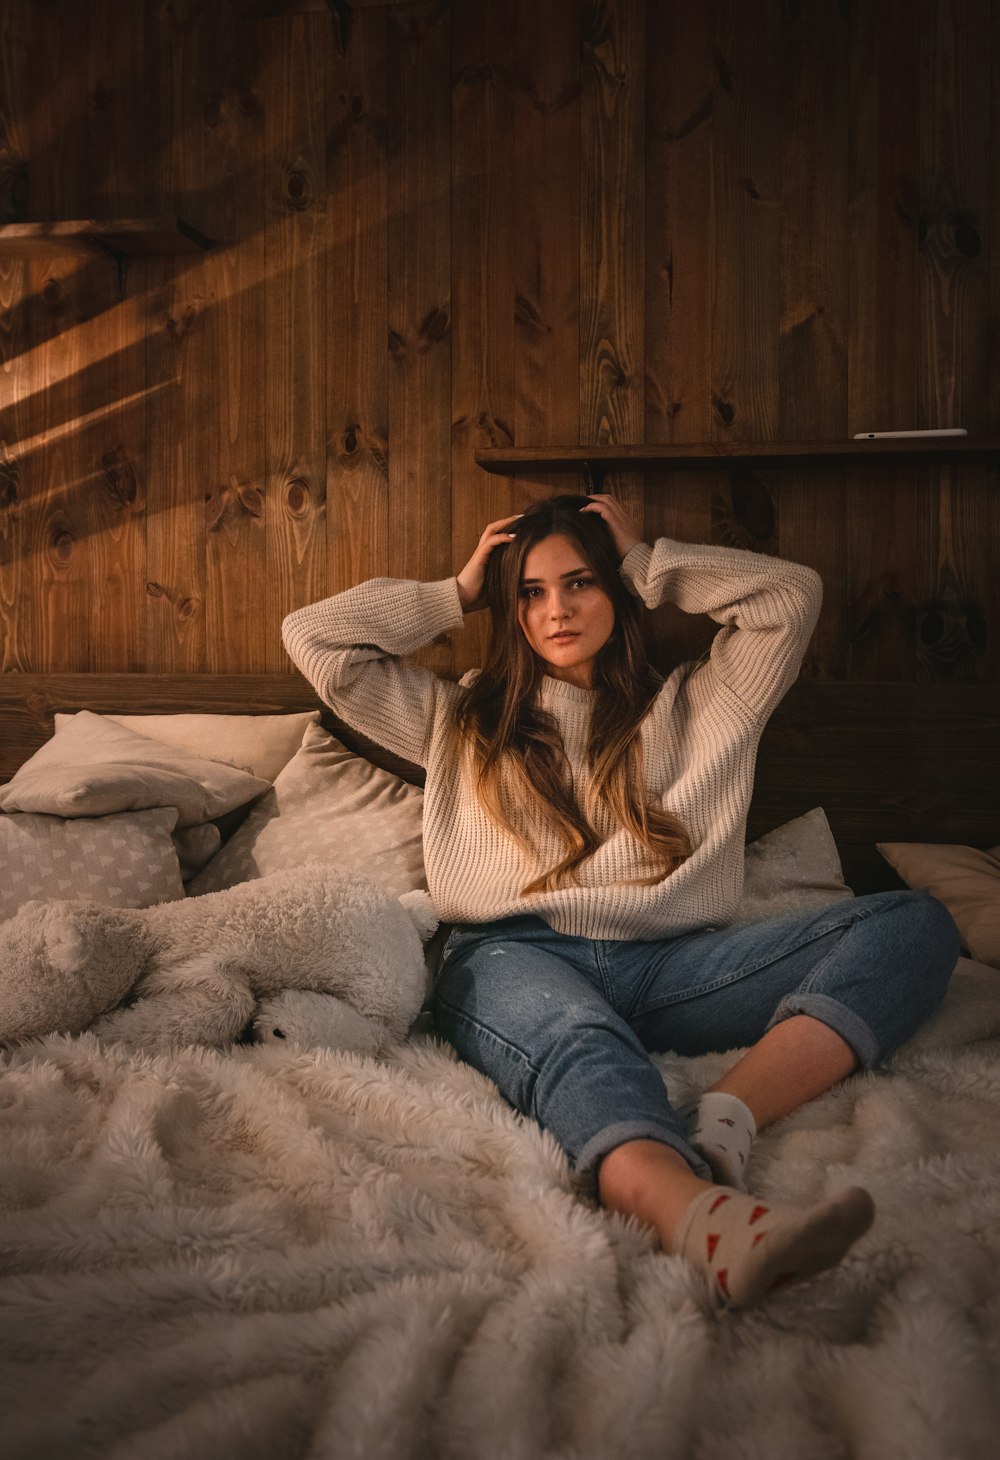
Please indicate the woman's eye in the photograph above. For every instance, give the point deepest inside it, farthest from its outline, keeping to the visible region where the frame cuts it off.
(583, 582)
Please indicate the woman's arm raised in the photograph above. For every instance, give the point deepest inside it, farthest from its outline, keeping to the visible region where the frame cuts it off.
(767, 608)
(349, 647)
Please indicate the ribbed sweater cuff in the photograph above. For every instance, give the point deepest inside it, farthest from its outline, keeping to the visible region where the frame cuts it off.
(443, 606)
(420, 612)
(635, 566)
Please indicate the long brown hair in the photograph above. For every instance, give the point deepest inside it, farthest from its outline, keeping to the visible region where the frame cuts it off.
(518, 761)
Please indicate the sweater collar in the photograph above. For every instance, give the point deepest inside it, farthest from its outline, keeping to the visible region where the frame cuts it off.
(563, 693)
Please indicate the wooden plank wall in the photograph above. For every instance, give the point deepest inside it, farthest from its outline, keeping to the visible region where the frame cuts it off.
(446, 225)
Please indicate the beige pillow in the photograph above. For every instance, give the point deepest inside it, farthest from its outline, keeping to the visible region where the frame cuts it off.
(262, 745)
(327, 805)
(94, 767)
(122, 861)
(795, 868)
(965, 880)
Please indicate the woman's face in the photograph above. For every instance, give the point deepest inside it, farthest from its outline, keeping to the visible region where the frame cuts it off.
(565, 614)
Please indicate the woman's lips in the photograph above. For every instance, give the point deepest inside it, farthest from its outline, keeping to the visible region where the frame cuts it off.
(566, 634)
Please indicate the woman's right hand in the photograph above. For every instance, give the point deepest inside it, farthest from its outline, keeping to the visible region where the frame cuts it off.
(473, 575)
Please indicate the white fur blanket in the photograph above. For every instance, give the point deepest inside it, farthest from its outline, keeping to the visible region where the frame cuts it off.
(271, 1253)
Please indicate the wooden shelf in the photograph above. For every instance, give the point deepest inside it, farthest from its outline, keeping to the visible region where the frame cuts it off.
(728, 456)
(119, 237)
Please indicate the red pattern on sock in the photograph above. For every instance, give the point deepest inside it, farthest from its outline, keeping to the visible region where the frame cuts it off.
(712, 1243)
(723, 1196)
(757, 1213)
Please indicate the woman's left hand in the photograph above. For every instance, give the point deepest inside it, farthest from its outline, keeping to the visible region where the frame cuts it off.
(621, 526)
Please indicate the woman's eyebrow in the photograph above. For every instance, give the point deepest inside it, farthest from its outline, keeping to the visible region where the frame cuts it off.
(573, 573)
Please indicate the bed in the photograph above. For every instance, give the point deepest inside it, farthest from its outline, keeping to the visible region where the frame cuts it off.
(275, 1250)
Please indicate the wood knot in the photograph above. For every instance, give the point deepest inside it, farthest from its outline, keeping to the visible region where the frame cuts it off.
(494, 432)
(53, 294)
(356, 107)
(13, 189)
(724, 409)
(218, 505)
(527, 316)
(10, 483)
(967, 238)
(61, 542)
(297, 496)
(298, 191)
(434, 327)
(215, 508)
(101, 96)
(250, 103)
(349, 441)
(177, 329)
(725, 73)
(155, 590)
(120, 476)
(397, 345)
(250, 498)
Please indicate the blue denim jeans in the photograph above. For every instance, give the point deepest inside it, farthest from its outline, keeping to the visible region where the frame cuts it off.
(565, 1025)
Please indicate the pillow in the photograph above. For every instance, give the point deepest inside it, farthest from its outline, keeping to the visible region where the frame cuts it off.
(122, 861)
(795, 868)
(327, 805)
(196, 845)
(965, 880)
(262, 745)
(94, 768)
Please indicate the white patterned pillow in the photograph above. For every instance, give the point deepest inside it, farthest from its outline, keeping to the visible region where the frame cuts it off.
(795, 868)
(327, 805)
(122, 861)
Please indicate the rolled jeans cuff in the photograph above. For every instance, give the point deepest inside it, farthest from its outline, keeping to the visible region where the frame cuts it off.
(606, 1140)
(838, 1017)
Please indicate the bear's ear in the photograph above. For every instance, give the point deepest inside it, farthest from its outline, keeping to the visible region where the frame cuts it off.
(421, 910)
(64, 942)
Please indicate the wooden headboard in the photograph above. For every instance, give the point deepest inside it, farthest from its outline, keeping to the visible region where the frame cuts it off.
(887, 762)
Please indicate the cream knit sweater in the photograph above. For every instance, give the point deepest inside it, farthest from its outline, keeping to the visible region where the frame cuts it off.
(699, 738)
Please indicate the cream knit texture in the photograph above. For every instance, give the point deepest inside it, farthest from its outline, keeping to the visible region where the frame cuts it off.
(699, 738)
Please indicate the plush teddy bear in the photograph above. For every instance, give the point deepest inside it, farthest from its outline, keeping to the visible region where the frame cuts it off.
(63, 962)
(332, 956)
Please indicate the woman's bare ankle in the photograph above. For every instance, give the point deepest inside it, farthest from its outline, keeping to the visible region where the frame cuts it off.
(652, 1182)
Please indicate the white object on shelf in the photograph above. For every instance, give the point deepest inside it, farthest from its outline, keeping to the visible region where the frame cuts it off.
(896, 435)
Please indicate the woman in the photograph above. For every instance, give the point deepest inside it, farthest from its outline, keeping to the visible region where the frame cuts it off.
(583, 829)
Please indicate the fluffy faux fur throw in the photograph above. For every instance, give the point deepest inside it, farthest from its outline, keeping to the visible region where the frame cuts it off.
(269, 1254)
(314, 954)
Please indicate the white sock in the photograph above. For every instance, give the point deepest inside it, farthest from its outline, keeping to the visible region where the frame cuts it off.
(747, 1248)
(721, 1129)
